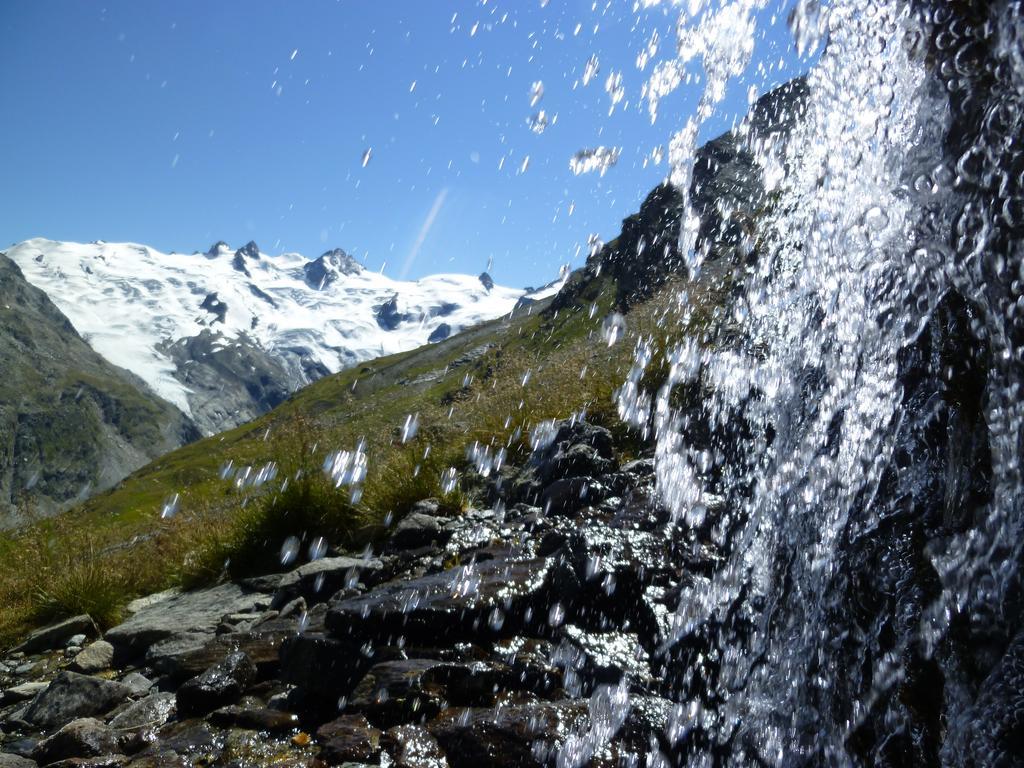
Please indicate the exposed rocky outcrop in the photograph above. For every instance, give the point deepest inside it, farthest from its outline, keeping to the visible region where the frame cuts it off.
(70, 422)
(475, 639)
(328, 267)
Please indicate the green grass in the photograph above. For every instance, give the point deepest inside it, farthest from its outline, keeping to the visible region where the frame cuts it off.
(114, 547)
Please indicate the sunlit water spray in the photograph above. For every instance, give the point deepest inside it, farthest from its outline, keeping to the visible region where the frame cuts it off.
(811, 411)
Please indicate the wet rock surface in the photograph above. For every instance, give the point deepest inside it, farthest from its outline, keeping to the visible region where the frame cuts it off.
(472, 639)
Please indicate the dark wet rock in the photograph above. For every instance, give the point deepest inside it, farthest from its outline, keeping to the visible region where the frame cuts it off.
(149, 712)
(186, 743)
(442, 332)
(8, 760)
(94, 658)
(350, 738)
(577, 460)
(221, 684)
(85, 737)
(57, 635)
(180, 622)
(318, 580)
(530, 662)
(102, 761)
(493, 597)
(262, 644)
(322, 668)
(412, 746)
(418, 529)
(255, 718)
(570, 494)
(393, 692)
(589, 659)
(70, 696)
(508, 736)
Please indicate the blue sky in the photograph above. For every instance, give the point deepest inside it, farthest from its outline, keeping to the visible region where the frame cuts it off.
(178, 124)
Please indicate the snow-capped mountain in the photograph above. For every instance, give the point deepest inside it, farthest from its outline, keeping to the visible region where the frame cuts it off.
(227, 334)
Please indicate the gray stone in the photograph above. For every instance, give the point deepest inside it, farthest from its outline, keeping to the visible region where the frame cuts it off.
(182, 617)
(78, 640)
(95, 658)
(26, 668)
(8, 760)
(72, 696)
(57, 635)
(148, 601)
(85, 737)
(221, 684)
(150, 712)
(321, 578)
(138, 683)
(21, 692)
(418, 530)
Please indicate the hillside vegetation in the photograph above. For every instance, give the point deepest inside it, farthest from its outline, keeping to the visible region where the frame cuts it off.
(491, 385)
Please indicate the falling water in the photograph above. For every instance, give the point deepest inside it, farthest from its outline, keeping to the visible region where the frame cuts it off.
(853, 455)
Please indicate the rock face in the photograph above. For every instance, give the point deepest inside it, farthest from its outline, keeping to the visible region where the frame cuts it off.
(70, 422)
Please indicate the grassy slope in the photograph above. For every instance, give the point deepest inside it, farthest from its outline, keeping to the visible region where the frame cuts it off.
(467, 388)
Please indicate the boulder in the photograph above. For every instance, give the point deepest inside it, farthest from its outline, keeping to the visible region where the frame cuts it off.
(318, 580)
(103, 761)
(8, 760)
(493, 597)
(94, 658)
(594, 658)
(57, 635)
(183, 618)
(418, 530)
(255, 719)
(150, 712)
(350, 738)
(22, 692)
(512, 736)
(71, 696)
(221, 684)
(85, 737)
(392, 692)
(412, 746)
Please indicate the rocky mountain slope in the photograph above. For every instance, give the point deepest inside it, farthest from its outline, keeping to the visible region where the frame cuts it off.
(71, 423)
(560, 600)
(227, 334)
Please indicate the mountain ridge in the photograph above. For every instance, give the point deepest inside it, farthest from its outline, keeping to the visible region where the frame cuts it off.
(201, 328)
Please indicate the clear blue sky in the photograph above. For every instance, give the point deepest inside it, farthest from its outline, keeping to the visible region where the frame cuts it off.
(178, 124)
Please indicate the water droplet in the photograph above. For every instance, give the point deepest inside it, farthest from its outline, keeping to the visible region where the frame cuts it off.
(367, 153)
(590, 69)
(289, 550)
(536, 92)
(170, 507)
(613, 328)
(411, 427)
(597, 159)
(317, 548)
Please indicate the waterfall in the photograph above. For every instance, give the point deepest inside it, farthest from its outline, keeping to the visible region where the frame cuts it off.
(846, 440)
